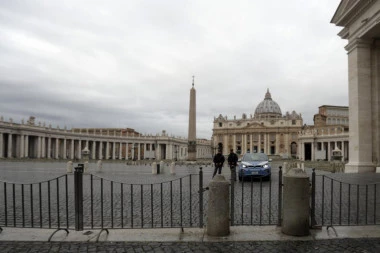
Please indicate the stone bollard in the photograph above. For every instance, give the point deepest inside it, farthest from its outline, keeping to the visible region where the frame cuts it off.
(218, 221)
(296, 203)
(99, 166)
(285, 168)
(86, 167)
(69, 167)
(154, 168)
(172, 168)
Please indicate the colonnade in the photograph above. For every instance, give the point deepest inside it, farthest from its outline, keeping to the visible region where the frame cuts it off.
(40, 142)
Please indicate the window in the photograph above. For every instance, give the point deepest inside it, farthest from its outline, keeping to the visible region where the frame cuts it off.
(220, 124)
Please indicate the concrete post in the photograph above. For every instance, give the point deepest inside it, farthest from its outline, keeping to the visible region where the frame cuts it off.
(296, 203)
(154, 168)
(172, 168)
(218, 223)
(99, 166)
(69, 167)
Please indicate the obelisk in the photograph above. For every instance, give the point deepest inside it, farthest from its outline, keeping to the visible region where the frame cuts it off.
(192, 137)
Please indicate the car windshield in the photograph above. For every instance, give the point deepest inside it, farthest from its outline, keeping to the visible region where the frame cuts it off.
(255, 157)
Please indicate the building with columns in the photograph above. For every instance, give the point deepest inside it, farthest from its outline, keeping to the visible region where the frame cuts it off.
(31, 140)
(329, 133)
(361, 28)
(267, 130)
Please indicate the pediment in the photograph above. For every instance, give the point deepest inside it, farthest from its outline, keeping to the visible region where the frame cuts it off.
(348, 10)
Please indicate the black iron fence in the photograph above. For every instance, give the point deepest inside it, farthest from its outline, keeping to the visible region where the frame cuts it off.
(83, 201)
(87, 201)
(335, 203)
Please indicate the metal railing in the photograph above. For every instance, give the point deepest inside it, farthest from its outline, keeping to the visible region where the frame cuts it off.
(88, 201)
(337, 203)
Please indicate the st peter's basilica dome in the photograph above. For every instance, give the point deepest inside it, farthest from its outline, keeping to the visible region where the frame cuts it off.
(268, 107)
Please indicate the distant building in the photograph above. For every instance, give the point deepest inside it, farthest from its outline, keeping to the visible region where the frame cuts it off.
(267, 131)
(30, 140)
(330, 132)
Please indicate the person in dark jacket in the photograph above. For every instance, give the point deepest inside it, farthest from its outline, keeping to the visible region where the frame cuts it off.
(218, 162)
(232, 162)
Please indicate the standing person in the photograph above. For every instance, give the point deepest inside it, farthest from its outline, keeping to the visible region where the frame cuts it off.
(218, 162)
(232, 161)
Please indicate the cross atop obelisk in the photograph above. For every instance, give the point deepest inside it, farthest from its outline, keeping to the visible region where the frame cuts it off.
(192, 138)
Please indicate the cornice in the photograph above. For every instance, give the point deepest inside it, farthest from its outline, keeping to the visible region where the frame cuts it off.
(349, 16)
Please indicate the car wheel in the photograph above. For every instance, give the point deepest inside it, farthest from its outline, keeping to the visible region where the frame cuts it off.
(240, 178)
(268, 177)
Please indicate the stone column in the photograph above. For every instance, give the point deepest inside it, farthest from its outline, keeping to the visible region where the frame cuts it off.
(38, 146)
(360, 107)
(93, 150)
(120, 151)
(277, 144)
(26, 152)
(251, 143)
(64, 152)
(234, 143)
(265, 143)
(313, 150)
(113, 150)
(107, 150)
(56, 148)
(100, 150)
(22, 146)
(328, 151)
(259, 145)
(49, 148)
(43, 147)
(80, 149)
(1, 145)
(72, 149)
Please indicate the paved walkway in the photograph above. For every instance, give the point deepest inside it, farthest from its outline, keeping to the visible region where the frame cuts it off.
(241, 239)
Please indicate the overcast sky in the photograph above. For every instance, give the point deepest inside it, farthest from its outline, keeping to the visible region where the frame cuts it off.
(128, 63)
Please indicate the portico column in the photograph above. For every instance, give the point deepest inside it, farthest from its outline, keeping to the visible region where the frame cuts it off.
(259, 144)
(9, 145)
(72, 149)
(56, 148)
(80, 149)
(22, 146)
(93, 151)
(250, 143)
(38, 146)
(328, 151)
(64, 152)
(313, 150)
(234, 143)
(342, 150)
(26, 151)
(49, 148)
(113, 150)
(43, 147)
(1, 145)
(360, 107)
(265, 142)
(120, 151)
(100, 149)
(107, 149)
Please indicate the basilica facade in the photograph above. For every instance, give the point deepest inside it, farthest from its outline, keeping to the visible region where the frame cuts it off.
(267, 130)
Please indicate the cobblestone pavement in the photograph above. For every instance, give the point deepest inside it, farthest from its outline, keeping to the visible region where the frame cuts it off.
(331, 245)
